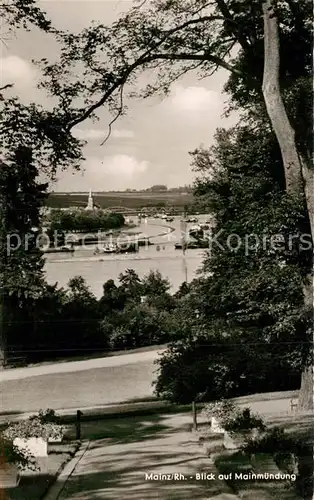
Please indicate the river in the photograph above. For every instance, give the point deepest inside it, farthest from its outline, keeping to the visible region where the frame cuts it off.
(162, 256)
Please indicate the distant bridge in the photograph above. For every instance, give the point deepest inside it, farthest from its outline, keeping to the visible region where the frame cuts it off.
(123, 210)
(135, 211)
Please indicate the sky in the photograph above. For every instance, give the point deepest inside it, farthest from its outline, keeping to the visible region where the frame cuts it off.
(151, 144)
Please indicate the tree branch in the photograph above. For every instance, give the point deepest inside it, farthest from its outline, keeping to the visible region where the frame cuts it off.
(198, 57)
(222, 6)
(147, 57)
(7, 86)
(119, 113)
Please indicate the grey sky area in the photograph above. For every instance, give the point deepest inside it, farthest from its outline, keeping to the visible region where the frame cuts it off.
(148, 146)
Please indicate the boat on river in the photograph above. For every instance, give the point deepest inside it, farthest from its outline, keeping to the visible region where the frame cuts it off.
(113, 248)
(108, 248)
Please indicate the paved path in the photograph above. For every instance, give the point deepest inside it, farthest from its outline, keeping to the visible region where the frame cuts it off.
(78, 384)
(124, 453)
(120, 466)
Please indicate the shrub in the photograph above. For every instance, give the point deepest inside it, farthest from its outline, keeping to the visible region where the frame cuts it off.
(33, 427)
(222, 410)
(233, 419)
(243, 421)
(290, 455)
(48, 416)
(11, 454)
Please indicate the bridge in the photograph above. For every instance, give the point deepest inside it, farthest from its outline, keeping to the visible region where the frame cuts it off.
(123, 210)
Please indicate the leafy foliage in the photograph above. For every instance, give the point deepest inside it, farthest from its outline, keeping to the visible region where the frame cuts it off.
(70, 322)
(21, 198)
(11, 454)
(138, 312)
(253, 330)
(21, 262)
(33, 427)
(177, 38)
(233, 419)
(42, 131)
(290, 454)
(23, 13)
(83, 221)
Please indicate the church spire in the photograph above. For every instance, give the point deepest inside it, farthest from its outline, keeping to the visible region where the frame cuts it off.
(90, 203)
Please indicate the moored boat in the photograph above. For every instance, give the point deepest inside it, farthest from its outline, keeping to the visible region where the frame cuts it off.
(110, 248)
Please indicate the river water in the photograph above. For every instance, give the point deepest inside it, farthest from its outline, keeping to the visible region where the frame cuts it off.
(162, 256)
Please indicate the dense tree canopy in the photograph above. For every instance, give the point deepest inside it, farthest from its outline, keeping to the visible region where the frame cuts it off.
(83, 220)
(21, 262)
(249, 302)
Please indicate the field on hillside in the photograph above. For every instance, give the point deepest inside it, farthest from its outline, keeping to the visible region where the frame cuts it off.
(127, 200)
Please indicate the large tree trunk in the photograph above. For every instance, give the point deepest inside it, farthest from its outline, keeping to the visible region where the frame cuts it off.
(298, 175)
(306, 391)
(308, 177)
(3, 339)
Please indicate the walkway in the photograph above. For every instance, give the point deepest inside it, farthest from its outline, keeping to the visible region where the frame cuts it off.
(120, 465)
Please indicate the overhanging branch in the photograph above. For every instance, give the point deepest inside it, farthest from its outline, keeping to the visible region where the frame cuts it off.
(119, 113)
(222, 6)
(148, 56)
(199, 57)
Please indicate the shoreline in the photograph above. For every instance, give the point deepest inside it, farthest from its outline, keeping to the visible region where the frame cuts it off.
(100, 237)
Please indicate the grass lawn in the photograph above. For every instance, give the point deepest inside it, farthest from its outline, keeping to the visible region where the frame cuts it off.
(33, 485)
(98, 355)
(87, 388)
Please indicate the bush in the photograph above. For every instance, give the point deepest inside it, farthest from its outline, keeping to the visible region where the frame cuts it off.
(233, 419)
(290, 455)
(48, 416)
(33, 427)
(243, 421)
(11, 454)
(84, 221)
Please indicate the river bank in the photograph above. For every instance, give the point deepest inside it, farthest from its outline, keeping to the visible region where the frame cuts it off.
(125, 229)
(161, 256)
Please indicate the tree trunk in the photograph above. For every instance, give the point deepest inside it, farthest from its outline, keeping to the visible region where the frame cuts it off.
(308, 177)
(298, 176)
(306, 391)
(3, 340)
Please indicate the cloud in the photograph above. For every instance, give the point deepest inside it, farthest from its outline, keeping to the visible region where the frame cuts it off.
(89, 134)
(194, 99)
(103, 174)
(122, 134)
(16, 70)
(100, 134)
(124, 166)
